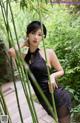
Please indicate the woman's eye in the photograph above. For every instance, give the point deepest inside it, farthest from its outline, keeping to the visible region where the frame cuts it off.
(34, 33)
(40, 34)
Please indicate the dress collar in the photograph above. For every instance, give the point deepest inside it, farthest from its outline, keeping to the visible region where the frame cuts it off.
(33, 53)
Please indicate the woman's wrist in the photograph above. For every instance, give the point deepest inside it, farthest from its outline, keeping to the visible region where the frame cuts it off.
(53, 75)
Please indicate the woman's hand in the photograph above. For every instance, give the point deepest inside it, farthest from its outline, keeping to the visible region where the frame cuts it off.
(11, 52)
(52, 85)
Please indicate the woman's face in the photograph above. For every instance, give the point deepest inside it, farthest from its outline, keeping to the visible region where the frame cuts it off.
(35, 37)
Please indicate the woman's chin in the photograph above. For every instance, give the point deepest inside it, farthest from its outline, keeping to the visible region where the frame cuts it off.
(35, 45)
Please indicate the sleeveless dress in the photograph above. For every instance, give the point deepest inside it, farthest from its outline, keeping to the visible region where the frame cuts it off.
(39, 69)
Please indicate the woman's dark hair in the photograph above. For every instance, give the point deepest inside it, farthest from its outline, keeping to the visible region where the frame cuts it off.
(34, 26)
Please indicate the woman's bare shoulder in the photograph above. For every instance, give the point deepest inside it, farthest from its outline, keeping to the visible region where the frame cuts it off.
(49, 52)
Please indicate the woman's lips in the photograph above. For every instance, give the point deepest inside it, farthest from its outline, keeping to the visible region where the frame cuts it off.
(35, 41)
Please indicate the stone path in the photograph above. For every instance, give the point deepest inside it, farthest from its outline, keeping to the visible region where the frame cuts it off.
(9, 95)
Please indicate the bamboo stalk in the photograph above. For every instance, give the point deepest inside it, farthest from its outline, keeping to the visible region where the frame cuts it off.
(33, 113)
(27, 95)
(16, 93)
(14, 28)
(30, 94)
(52, 94)
(24, 88)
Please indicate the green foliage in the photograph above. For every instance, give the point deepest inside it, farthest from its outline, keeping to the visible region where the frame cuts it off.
(64, 38)
(68, 51)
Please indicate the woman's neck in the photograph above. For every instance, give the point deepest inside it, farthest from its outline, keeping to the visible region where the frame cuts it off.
(32, 49)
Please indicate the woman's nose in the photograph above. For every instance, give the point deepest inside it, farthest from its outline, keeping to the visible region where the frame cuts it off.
(35, 36)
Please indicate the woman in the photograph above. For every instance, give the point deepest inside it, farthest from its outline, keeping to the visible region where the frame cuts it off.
(35, 58)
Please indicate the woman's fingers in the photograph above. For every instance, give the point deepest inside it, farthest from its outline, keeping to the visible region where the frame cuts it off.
(52, 86)
(56, 86)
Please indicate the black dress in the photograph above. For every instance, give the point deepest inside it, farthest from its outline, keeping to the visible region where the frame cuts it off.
(39, 70)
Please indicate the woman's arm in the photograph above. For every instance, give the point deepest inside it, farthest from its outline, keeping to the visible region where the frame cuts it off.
(56, 64)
